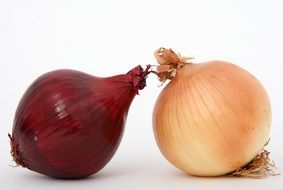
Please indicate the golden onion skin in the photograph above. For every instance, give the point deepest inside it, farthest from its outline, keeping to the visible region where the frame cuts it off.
(211, 118)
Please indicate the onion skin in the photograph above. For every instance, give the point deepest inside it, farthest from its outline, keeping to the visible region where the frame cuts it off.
(211, 118)
(69, 124)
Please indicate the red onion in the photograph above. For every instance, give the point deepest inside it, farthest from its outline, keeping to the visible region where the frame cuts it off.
(69, 124)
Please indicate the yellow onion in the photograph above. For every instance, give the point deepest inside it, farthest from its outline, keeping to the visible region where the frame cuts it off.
(212, 118)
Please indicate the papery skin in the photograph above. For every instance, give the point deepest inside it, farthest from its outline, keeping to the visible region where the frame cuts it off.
(69, 124)
(212, 118)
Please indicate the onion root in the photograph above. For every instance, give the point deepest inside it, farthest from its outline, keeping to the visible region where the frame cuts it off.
(260, 167)
(15, 153)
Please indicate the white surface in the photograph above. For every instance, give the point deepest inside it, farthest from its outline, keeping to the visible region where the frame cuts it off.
(110, 37)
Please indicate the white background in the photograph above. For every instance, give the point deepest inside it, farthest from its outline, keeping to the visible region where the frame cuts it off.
(105, 38)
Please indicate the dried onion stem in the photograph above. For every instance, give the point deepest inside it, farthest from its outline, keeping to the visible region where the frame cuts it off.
(169, 62)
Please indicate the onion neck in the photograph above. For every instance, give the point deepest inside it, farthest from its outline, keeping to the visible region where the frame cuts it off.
(169, 63)
(137, 77)
(132, 81)
(121, 89)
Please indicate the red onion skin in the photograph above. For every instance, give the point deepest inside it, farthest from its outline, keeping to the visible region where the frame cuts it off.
(69, 124)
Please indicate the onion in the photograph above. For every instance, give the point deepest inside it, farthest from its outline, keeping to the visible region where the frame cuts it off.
(69, 124)
(212, 118)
